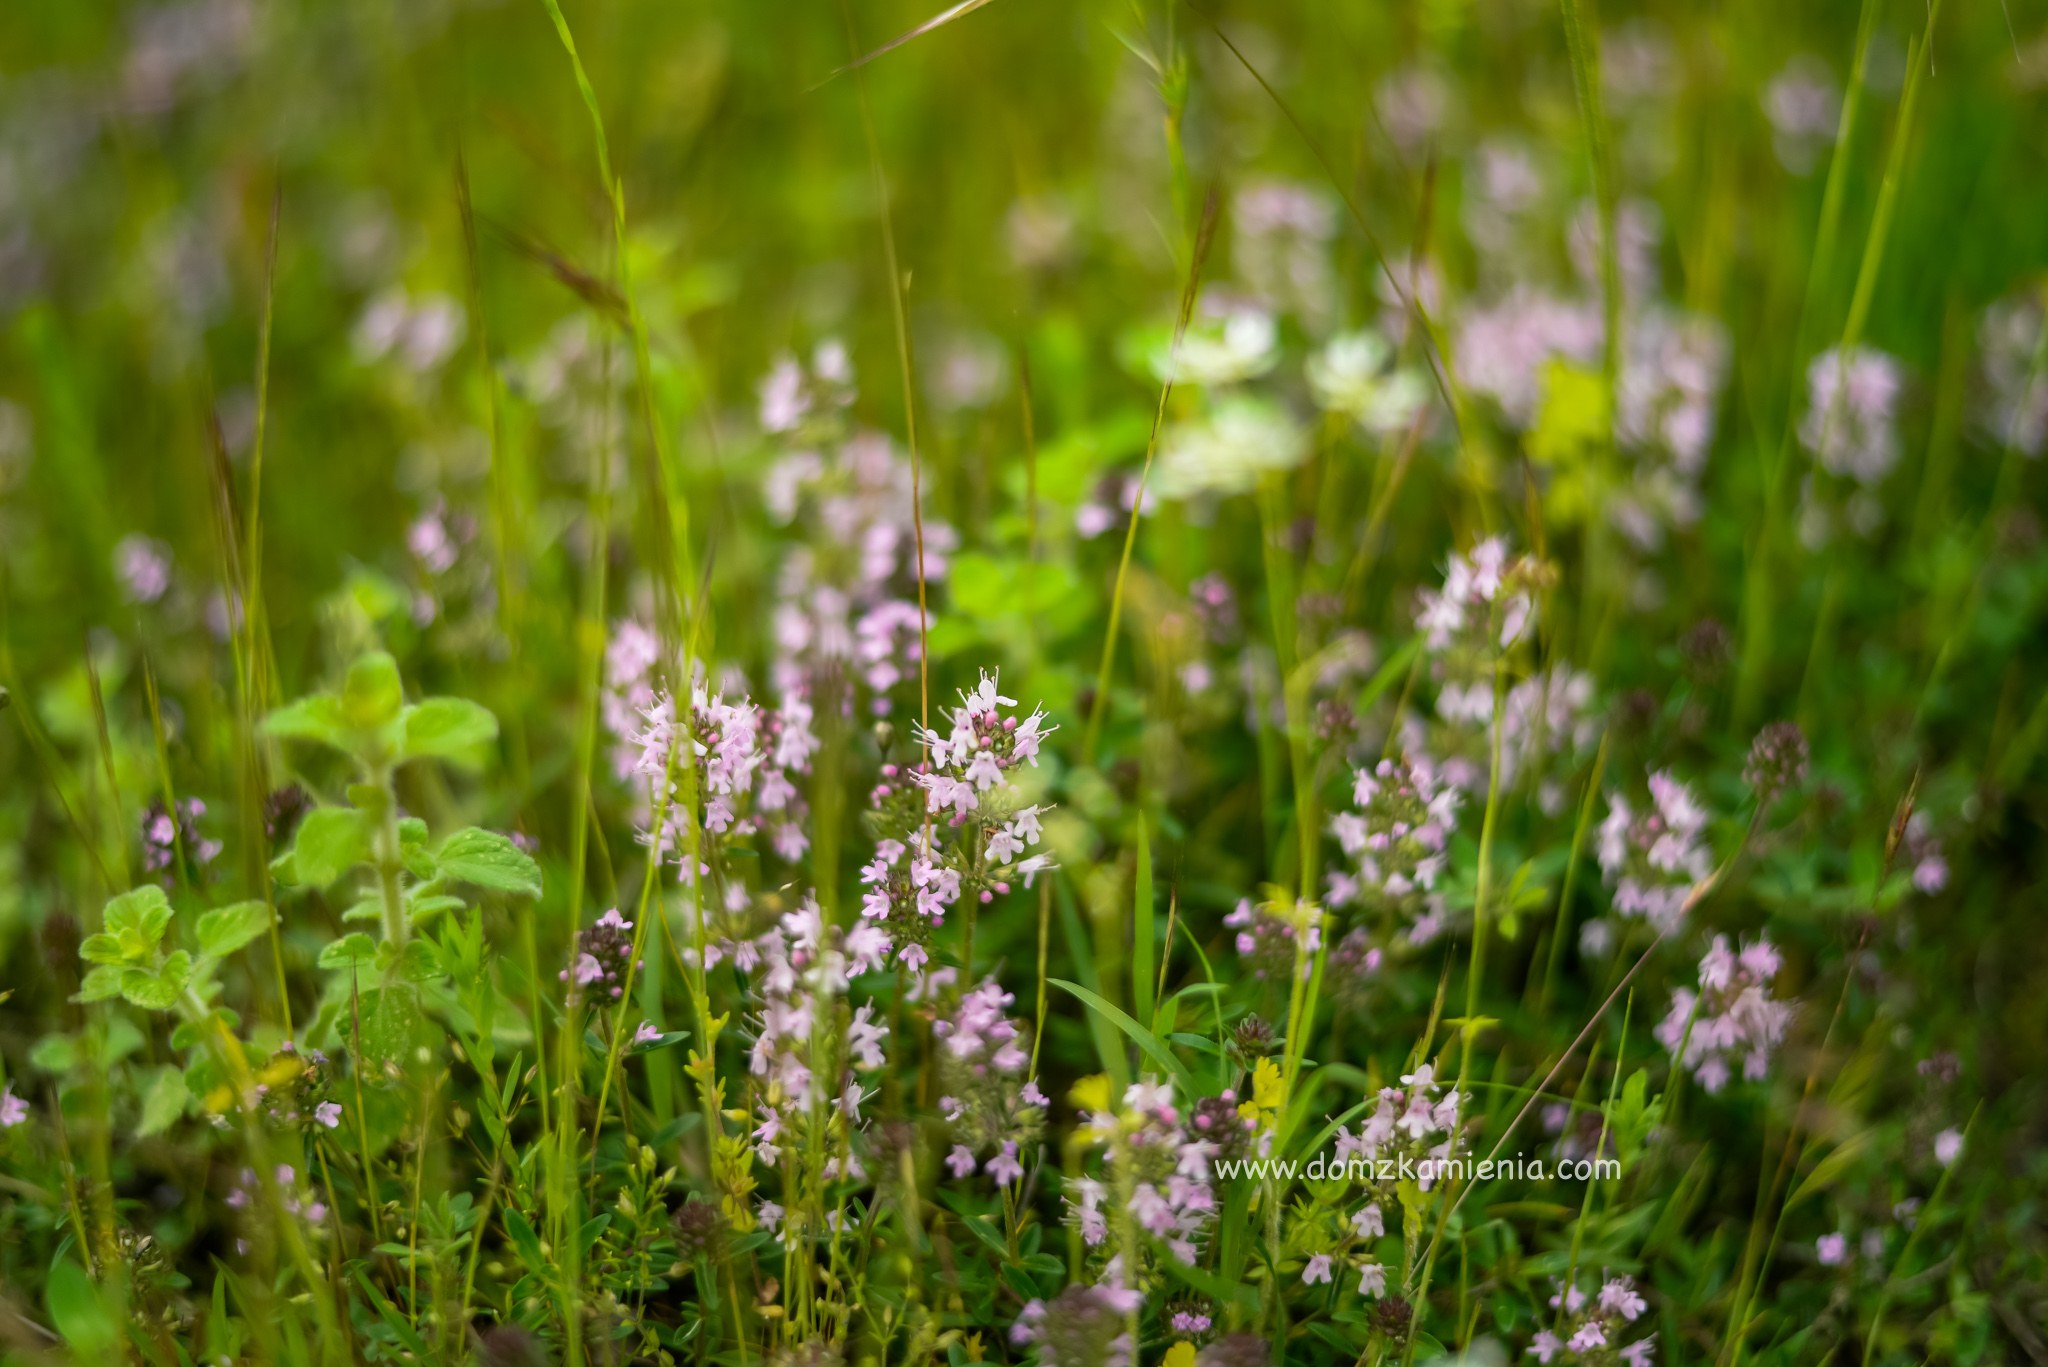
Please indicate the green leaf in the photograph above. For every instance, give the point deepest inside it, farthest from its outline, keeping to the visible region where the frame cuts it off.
(526, 1241)
(393, 1321)
(101, 984)
(372, 695)
(192, 1032)
(350, 951)
(318, 718)
(394, 1027)
(55, 1053)
(447, 728)
(1631, 1116)
(79, 1313)
(1387, 675)
(151, 991)
(224, 930)
(163, 1101)
(101, 949)
(419, 962)
(331, 840)
(1829, 1169)
(420, 910)
(138, 919)
(1150, 1043)
(489, 860)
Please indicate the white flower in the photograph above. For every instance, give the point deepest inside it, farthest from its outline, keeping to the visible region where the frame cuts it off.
(1242, 440)
(1353, 376)
(1222, 348)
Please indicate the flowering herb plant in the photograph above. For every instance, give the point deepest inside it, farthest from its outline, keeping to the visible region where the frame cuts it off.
(1347, 686)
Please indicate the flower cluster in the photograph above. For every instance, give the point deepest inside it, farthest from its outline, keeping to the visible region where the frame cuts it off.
(1405, 817)
(1352, 1249)
(1670, 383)
(983, 746)
(1851, 429)
(1804, 107)
(1083, 1326)
(811, 1047)
(631, 687)
(1592, 1327)
(795, 396)
(1280, 246)
(1777, 760)
(954, 825)
(302, 1204)
(1351, 975)
(1418, 1121)
(1655, 858)
(143, 565)
(420, 333)
(1673, 365)
(847, 599)
(604, 950)
(1923, 850)
(1550, 715)
(1546, 719)
(1731, 1019)
(1504, 350)
(439, 541)
(1276, 940)
(745, 763)
(293, 1090)
(2014, 341)
(1485, 606)
(1851, 413)
(989, 1098)
(1153, 1171)
(163, 834)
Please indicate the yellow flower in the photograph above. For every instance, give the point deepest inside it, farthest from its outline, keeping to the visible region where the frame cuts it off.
(1269, 1093)
(1092, 1093)
(1182, 1354)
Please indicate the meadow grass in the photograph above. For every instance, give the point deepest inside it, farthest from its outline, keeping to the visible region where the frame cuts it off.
(817, 685)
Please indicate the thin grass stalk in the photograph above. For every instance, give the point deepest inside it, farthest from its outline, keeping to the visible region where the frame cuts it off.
(53, 767)
(1483, 883)
(1440, 365)
(248, 622)
(1571, 1272)
(117, 818)
(1759, 583)
(1099, 705)
(1926, 1218)
(1571, 874)
(504, 536)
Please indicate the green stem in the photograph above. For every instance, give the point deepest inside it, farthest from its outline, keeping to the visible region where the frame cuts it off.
(390, 861)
